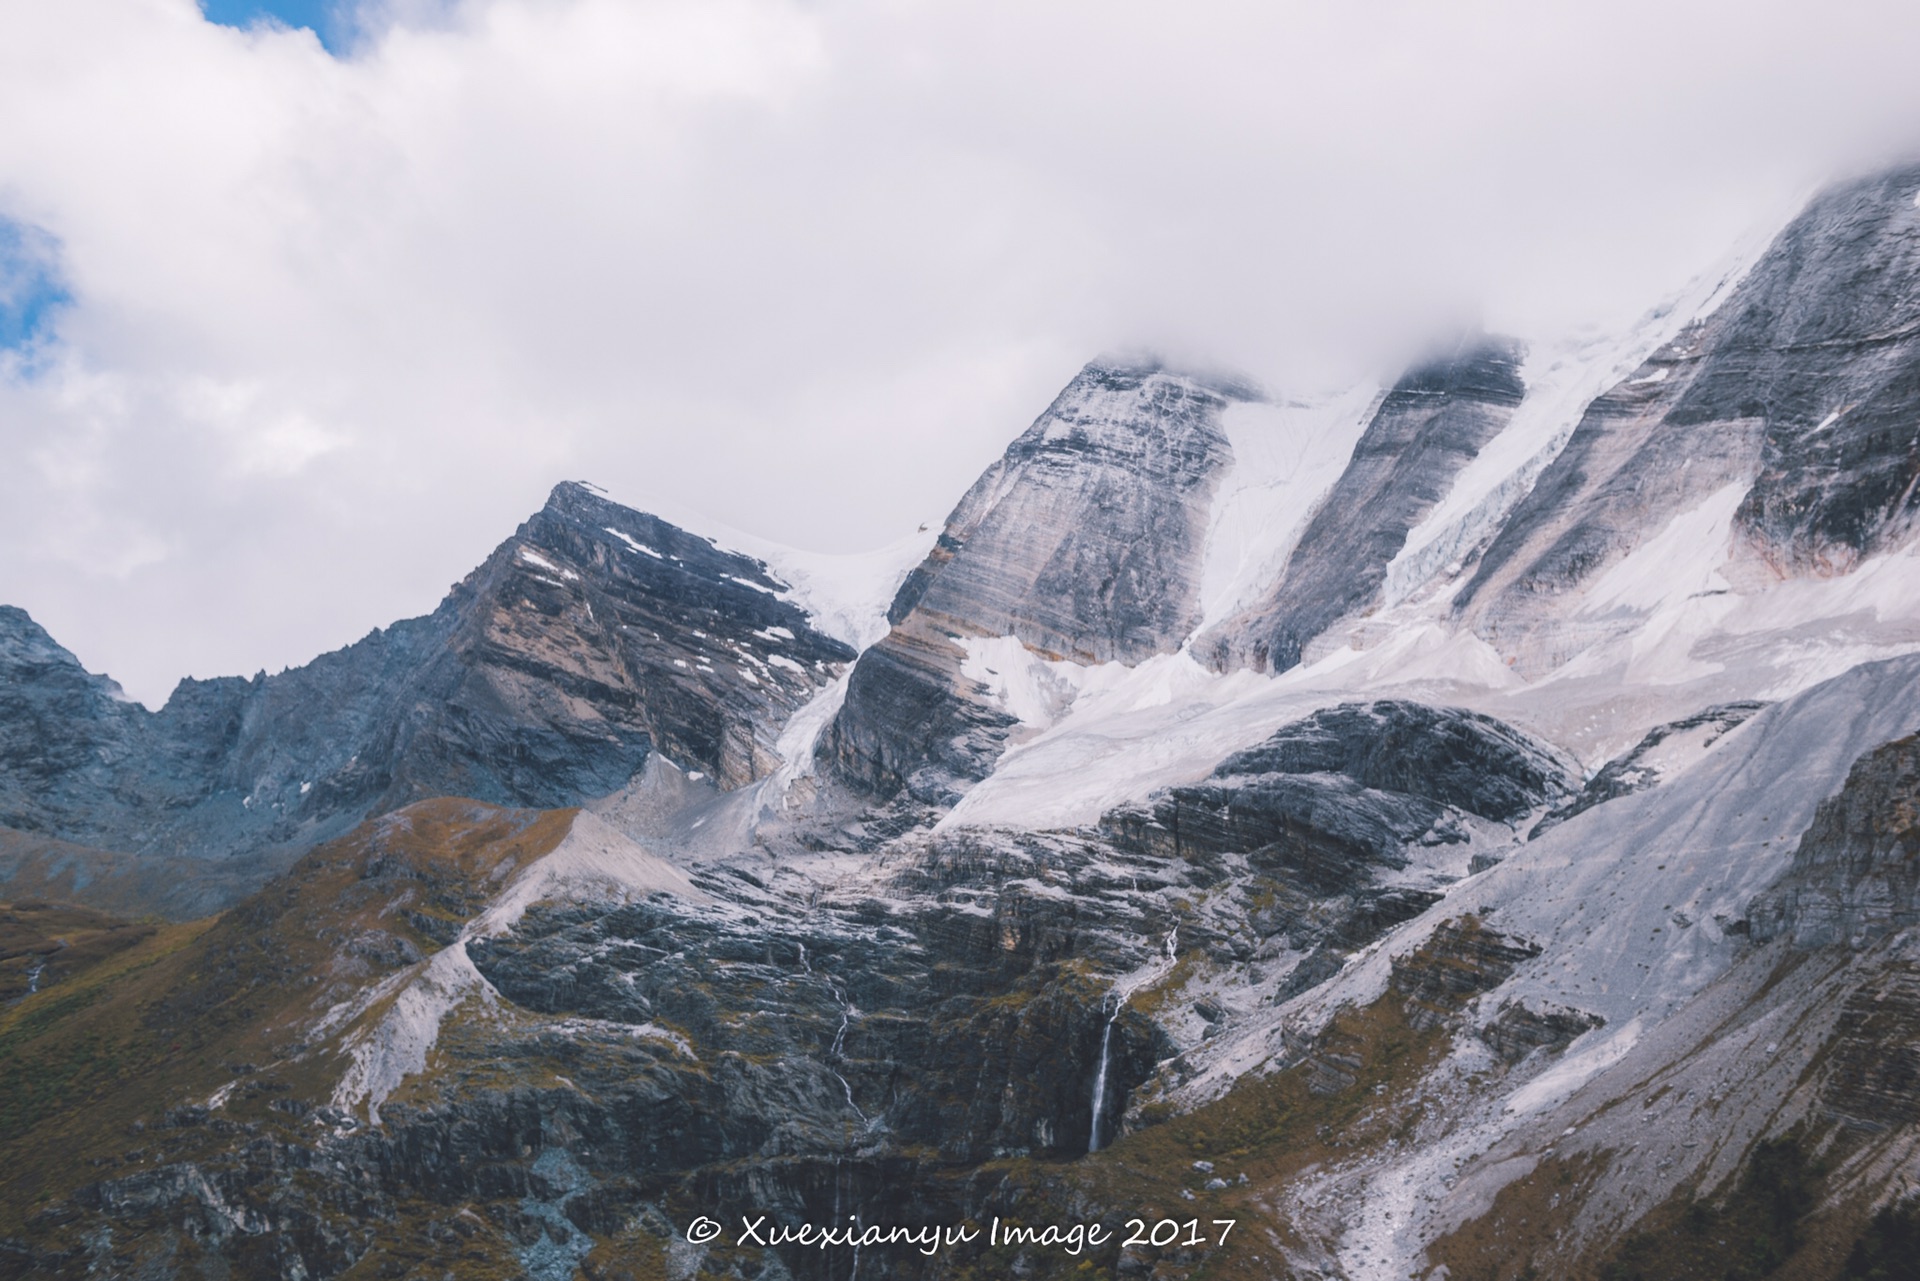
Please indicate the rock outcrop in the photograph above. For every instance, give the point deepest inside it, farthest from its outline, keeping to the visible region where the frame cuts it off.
(1328, 815)
(1082, 543)
(1666, 750)
(1352, 786)
(594, 637)
(1432, 423)
(1855, 876)
(1792, 407)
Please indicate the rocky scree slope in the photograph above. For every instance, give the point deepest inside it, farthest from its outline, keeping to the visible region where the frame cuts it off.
(1792, 1072)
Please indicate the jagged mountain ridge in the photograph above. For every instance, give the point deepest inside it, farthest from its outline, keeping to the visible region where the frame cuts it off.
(1350, 952)
(593, 638)
(1795, 399)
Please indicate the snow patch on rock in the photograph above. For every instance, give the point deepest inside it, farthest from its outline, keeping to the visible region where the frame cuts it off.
(1561, 379)
(846, 595)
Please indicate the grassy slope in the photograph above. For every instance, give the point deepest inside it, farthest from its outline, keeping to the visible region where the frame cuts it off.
(91, 1066)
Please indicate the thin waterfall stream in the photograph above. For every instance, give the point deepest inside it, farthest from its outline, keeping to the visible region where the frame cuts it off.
(1123, 992)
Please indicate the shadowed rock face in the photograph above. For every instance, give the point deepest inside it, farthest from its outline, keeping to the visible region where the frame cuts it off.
(593, 637)
(1856, 874)
(1803, 389)
(60, 725)
(1433, 423)
(1329, 802)
(1444, 755)
(1346, 789)
(1083, 542)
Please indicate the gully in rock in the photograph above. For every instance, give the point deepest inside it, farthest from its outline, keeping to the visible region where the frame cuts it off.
(837, 1051)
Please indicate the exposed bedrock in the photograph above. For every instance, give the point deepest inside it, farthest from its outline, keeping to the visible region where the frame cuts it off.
(1855, 876)
(929, 1029)
(1460, 961)
(1330, 803)
(1083, 542)
(869, 1049)
(1354, 784)
(1431, 424)
(1802, 391)
(593, 637)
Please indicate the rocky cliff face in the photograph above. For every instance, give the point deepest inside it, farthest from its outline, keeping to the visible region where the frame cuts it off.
(1346, 955)
(593, 638)
(1431, 424)
(1350, 821)
(1328, 799)
(530, 1014)
(705, 1042)
(1856, 875)
(1781, 425)
(61, 728)
(1082, 543)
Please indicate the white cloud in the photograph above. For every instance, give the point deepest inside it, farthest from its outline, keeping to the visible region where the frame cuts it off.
(338, 324)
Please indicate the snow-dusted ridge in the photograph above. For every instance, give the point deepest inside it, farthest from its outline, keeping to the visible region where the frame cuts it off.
(845, 593)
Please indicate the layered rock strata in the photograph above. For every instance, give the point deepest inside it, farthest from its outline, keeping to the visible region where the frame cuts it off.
(1083, 543)
(1782, 425)
(594, 637)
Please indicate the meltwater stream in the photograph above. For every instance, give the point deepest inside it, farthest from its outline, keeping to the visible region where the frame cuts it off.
(1121, 993)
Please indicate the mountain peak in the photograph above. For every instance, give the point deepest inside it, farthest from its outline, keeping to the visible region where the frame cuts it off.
(1136, 366)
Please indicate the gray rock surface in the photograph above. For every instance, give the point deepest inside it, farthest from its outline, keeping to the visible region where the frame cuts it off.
(1083, 542)
(1431, 424)
(1329, 803)
(594, 637)
(1855, 876)
(1804, 388)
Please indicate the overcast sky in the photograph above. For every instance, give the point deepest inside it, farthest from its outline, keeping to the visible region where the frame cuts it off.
(290, 338)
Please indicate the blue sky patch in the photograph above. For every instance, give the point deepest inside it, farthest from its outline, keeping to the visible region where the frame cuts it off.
(31, 289)
(322, 17)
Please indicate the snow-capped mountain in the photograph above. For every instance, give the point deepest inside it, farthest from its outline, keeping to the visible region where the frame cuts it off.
(1458, 827)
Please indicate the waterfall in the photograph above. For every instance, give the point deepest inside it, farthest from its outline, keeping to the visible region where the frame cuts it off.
(836, 1051)
(1122, 992)
(1100, 1080)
